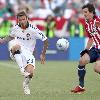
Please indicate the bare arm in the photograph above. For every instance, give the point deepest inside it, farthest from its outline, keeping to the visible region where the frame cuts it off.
(6, 39)
(41, 36)
(42, 56)
(45, 46)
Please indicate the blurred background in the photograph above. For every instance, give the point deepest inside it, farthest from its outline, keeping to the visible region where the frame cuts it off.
(56, 18)
(54, 79)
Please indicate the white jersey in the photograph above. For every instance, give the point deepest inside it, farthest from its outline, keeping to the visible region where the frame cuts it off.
(27, 37)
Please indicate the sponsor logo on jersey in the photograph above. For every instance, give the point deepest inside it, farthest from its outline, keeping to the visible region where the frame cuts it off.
(27, 37)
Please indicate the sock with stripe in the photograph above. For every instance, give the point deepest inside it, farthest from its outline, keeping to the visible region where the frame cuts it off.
(81, 74)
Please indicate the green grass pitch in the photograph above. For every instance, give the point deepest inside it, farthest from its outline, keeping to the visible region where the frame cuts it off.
(52, 81)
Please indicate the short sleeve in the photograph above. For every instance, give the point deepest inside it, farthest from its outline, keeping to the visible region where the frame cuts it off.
(87, 33)
(98, 23)
(39, 34)
(13, 31)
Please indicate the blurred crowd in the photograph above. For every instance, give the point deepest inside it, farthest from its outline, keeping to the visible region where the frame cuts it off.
(70, 10)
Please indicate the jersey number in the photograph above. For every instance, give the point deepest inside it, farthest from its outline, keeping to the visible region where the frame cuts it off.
(30, 61)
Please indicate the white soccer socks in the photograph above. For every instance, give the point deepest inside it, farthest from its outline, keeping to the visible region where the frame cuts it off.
(19, 61)
(26, 85)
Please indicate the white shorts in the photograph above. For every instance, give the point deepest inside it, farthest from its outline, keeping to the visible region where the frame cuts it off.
(26, 54)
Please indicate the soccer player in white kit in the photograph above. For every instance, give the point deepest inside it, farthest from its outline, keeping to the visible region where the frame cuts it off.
(22, 40)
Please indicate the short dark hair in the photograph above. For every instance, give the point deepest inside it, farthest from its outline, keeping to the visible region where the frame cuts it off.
(90, 7)
(22, 13)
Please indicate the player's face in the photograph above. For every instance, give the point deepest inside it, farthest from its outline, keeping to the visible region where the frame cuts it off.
(88, 15)
(23, 20)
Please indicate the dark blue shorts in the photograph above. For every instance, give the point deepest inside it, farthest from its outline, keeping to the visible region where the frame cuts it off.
(94, 54)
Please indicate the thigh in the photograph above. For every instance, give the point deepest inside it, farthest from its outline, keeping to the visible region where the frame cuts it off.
(85, 59)
(93, 55)
(97, 63)
(28, 58)
(97, 66)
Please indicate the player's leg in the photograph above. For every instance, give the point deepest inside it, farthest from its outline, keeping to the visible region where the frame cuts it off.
(85, 59)
(97, 66)
(16, 52)
(29, 62)
(30, 69)
(81, 73)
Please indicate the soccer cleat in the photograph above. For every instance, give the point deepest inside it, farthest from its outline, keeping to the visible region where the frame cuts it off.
(78, 89)
(26, 89)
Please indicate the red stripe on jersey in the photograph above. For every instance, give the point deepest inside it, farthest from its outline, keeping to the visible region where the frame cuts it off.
(99, 31)
(93, 30)
(95, 41)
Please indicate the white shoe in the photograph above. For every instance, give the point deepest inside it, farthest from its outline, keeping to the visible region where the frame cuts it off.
(26, 89)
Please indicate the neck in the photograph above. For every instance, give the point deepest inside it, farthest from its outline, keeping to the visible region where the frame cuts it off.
(23, 26)
(92, 17)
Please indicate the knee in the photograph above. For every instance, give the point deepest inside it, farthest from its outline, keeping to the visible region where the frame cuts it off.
(82, 62)
(97, 68)
(15, 48)
(30, 70)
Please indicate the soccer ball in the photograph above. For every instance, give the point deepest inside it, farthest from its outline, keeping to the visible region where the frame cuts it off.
(62, 44)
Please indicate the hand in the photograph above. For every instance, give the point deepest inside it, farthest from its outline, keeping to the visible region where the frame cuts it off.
(83, 52)
(1, 41)
(42, 57)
